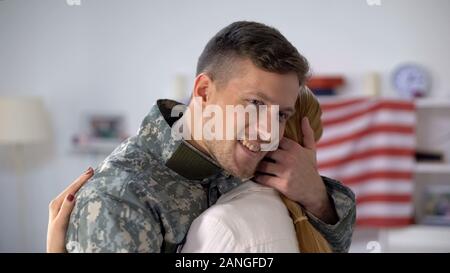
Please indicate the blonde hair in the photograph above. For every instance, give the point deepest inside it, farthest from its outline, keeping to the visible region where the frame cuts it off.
(307, 105)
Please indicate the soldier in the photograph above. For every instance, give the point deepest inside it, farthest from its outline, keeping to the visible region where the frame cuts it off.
(145, 195)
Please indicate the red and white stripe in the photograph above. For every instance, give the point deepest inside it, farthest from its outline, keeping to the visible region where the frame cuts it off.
(369, 145)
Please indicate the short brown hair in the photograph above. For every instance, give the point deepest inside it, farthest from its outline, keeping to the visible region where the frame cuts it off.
(265, 46)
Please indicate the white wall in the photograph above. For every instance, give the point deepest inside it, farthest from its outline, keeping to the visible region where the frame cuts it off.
(121, 55)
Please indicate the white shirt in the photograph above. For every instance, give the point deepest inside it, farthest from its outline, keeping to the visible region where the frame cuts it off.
(249, 218)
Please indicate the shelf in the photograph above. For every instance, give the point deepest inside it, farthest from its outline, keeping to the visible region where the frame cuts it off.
(424, 168)
(432, 103)
(417, 238)
(97, 147)
(413, 238)
(421, 103)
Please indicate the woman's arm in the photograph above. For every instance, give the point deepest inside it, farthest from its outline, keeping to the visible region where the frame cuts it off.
(59, 213)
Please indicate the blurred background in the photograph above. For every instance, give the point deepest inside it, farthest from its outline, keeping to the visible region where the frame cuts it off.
(78, 76)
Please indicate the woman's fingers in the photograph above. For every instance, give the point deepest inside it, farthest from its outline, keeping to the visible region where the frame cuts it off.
(66, 209)
(60, 209)
(55, 204)
(57, 227)
(77, 184)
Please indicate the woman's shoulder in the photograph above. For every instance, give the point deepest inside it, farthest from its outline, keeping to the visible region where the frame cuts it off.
(250, 218)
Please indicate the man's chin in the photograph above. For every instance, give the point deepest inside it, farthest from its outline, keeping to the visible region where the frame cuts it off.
(248, 171)
(245, 174)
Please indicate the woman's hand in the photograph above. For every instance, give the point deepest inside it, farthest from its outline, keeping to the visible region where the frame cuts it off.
(59, 213)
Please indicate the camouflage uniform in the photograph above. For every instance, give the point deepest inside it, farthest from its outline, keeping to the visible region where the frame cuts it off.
(145, 195)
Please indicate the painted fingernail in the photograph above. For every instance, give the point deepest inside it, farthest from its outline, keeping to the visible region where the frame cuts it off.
(70, 197)
(89, 170)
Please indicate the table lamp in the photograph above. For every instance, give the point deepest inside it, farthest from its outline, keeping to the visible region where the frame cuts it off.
(23, 121)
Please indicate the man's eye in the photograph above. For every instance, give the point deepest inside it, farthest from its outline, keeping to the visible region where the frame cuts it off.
(256, 102)
(283, 116)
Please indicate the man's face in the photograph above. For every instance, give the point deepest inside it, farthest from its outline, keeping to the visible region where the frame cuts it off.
(254, 86)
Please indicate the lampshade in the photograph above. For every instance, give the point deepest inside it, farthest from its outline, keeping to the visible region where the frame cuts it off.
(23, 120)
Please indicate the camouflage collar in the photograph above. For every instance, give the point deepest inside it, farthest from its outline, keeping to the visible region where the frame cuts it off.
(178, 155)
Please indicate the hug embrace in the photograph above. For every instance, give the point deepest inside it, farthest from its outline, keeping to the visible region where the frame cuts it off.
(157, 192)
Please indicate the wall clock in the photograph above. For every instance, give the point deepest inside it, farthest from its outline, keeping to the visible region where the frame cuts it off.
(411, 81)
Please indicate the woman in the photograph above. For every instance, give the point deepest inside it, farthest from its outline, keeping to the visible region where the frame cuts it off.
(249, 218)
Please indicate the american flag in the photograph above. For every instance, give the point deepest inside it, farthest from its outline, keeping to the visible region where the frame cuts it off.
(369, 145)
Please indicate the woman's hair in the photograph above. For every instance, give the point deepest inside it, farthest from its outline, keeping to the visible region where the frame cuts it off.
(309, 239)
(308, 106)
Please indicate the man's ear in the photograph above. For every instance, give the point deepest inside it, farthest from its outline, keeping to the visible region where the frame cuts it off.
(202, 87)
